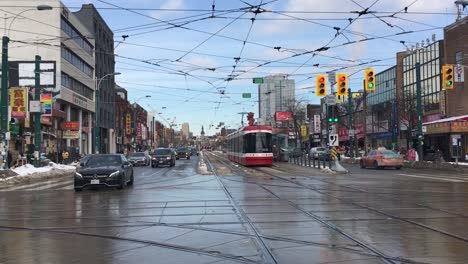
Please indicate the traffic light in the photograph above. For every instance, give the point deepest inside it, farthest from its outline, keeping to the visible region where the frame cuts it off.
(321, 85)
(447, 77)
(342, 82)
(333, 120)
(369, 79)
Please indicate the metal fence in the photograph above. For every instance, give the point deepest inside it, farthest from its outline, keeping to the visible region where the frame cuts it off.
(314, 160)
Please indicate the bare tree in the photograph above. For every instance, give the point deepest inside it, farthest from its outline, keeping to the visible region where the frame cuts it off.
(408, 112)
(298, 110)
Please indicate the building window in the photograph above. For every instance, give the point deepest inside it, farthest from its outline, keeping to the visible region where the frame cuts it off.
(76, 36)
(76, 86)
(71, 57)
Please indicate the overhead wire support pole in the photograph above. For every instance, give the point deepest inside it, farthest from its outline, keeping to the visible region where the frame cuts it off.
(37, 115)
(419, 110)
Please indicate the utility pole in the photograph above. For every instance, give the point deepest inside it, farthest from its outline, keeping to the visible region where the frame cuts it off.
(4, 94)
(419, 110)
(37, 115)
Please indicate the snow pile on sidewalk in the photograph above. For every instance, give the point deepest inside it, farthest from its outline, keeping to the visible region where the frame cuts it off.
(28, 173)
(202, 168)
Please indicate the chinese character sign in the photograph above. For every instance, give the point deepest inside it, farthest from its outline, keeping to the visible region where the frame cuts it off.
(19, 102)
(128, 124)
(46, 100)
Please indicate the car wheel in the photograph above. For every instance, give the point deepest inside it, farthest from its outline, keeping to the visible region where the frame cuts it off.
(122, 184)
(78, 189)
(131, 180)
(188, 158)
(376, 165)
(362, 164)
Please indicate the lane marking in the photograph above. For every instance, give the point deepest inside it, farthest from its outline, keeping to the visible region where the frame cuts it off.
(431, 178)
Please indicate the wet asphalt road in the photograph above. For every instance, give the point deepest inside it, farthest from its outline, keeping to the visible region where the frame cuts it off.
(282, 214)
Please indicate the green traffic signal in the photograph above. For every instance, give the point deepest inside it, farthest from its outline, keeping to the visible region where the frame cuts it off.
(371, 85)
(449, 83)
(330, 119)
(336, 119)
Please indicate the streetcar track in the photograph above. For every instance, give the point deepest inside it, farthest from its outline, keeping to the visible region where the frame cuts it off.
(326, 222)
(262, 246)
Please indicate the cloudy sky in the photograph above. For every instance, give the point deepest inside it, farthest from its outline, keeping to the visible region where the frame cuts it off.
(196, 63)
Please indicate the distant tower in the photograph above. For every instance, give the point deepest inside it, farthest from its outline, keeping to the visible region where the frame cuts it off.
(202, 135)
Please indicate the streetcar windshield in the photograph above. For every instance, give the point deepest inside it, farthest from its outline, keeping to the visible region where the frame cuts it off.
(257, 143)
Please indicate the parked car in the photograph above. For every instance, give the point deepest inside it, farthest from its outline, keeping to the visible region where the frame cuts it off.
(44, 160)
(110, 170)
(183, 153)
(139, 158)
(295, 152)
(163, 156)
(382, 158)
(324, 155)
(316, 152)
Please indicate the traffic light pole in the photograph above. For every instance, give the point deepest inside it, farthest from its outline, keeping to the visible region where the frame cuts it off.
(350, 122)
(4, 94)
(419, 110)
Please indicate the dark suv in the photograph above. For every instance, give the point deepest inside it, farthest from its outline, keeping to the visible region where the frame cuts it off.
(163, 156)
(183, 153)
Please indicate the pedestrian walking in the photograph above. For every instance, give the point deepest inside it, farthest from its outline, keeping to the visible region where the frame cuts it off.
(275, 153)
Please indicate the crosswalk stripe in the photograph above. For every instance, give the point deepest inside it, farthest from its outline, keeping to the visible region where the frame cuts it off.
(31, 185)
(49, 186)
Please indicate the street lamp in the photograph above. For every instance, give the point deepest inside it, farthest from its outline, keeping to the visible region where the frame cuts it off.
(97, 130)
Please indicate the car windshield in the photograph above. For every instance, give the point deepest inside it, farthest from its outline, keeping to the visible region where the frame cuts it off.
(138, 154)
(103, 160)
(162, 152)
(388, 153)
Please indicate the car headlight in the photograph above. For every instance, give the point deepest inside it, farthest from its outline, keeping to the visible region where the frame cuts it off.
(153, 158)
(114, 174)
(168, 158)
(78, 175)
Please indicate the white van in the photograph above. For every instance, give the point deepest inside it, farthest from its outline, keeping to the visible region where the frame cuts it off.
(316, 151)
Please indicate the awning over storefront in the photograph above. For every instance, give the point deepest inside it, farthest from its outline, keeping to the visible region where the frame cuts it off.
(456, 124)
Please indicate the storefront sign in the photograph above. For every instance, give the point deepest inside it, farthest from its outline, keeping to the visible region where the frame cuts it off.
(71, 125)
(19, 102)
(46, 120)
(34, 106)
(304, 131)
(128, 124)
(283, 116)
(14, 129)
(71, 134)
(46, 101)
(138, 131)
(316, 124)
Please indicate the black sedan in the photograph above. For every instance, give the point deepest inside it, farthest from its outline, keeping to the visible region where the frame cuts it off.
(183, 153)
(139, 158)
(109, 170)
(163, 156)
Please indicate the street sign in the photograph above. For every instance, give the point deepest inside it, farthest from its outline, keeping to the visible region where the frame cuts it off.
(330, 100)
(351, 132)
(258, 80)
(333, 140)
(332, 77)
(459, 73)
(246, 95)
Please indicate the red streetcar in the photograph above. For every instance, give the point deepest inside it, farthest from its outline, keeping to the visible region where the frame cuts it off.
(251, 146)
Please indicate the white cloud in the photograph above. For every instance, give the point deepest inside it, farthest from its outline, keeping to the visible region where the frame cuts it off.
(173, 4)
